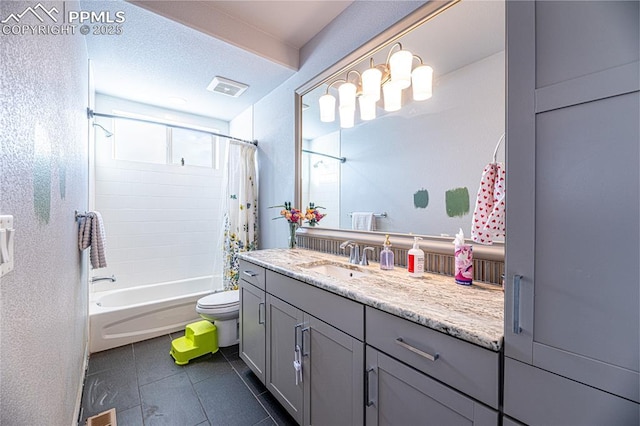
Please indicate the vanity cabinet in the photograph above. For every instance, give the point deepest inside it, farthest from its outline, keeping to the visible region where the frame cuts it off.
(399, 395)
(329, 389)
(400, 351)
(252, 318)
(572, 323)
(328, 331)
(319, 325)
(284, 324)
(411, 374)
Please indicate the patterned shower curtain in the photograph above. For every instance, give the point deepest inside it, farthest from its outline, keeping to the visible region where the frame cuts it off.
(240, 209)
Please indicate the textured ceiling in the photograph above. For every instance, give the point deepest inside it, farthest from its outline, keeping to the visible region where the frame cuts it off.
(155, 58)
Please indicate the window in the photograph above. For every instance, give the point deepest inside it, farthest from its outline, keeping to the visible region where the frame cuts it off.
(139, 141)
(163, 144)
(192, 148)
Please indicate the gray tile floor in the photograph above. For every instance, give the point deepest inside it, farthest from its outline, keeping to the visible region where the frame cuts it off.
(146, 387)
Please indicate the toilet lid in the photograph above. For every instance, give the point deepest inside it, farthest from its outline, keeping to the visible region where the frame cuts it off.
(220, 300)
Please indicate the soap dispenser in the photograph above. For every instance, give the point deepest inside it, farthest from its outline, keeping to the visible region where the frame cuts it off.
(386, 255)
(415, 260)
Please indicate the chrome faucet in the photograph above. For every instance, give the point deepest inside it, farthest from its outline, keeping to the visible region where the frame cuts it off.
(364, 261)
(354, 251)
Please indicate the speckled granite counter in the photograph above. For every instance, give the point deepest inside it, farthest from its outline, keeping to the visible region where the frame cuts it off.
(473, 313)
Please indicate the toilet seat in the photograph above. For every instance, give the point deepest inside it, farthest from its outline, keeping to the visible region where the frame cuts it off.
(223, 309)
(219, 304)
(220, 301)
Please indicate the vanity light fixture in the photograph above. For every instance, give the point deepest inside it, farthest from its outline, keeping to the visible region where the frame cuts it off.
(393, 77)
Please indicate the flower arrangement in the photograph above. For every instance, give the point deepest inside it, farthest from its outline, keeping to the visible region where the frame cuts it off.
(295, 217)
(311, 216)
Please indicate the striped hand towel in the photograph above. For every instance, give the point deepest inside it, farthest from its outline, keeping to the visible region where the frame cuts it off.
(91, 234)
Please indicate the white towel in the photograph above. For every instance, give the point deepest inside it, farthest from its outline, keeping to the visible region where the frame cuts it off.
(91, 234)
(363, 221)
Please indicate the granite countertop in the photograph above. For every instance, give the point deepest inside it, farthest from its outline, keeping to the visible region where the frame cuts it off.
(471, 313)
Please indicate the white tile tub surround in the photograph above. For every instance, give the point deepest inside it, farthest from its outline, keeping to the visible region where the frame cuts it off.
(162, 221)
(123, 316)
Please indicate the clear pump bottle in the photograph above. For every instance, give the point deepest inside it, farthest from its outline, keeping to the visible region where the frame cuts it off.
(386, 255)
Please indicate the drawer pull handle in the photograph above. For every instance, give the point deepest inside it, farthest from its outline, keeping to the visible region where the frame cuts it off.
(296, 346)
(400, 341)
(370, 402)
(250, 273)
(304, 330)
(516, 304)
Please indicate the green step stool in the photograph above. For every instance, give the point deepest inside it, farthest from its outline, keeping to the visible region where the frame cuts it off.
(199, 339)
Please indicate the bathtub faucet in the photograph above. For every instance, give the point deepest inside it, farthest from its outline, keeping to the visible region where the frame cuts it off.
(112, 278)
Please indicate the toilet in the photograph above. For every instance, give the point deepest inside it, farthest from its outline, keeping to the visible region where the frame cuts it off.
(222, 309)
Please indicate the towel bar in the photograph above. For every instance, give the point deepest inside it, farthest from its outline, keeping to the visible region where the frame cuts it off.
(79, 215)
(384, 214)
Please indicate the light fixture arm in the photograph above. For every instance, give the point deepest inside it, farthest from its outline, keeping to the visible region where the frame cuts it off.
(397, 43)
(419, 59)
(340, 80)
(357, 72)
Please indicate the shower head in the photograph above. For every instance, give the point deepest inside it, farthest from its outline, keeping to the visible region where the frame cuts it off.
(315, 166)
(107, 133)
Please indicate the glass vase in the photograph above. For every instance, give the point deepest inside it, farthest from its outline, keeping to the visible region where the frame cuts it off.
(292, 235)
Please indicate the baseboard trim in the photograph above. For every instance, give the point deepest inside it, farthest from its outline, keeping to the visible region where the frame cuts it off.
(85, 365)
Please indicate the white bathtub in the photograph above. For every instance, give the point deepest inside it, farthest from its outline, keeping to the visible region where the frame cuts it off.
(120, 317)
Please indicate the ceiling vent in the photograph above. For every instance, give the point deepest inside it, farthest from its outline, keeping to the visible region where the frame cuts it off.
(224, 86)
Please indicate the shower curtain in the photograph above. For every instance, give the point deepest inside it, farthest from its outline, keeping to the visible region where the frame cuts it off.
(240, 208)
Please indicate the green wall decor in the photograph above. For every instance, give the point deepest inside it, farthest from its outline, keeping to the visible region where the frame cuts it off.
(421, 199)
(457, 202)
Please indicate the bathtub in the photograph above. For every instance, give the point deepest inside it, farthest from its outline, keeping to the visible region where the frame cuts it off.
(120, 317)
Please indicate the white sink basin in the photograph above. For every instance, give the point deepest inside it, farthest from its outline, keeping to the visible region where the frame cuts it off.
(336, 270)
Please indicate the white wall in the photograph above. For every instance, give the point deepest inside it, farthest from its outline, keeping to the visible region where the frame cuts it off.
(242, 125)
(162, 221)
(274, 115)
(43, 180)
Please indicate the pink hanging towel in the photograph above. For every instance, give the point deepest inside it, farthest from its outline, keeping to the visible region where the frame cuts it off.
(488, 215)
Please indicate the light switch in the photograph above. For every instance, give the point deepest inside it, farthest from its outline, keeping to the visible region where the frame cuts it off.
(7, 238)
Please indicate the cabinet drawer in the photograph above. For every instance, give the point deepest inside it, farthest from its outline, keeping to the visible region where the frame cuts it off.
(342, 313)
(252, 274)
(461, 365)
(535, 396)
(399, 395)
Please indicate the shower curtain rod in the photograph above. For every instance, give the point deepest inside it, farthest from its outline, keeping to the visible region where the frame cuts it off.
(91, 114)
(340, 159)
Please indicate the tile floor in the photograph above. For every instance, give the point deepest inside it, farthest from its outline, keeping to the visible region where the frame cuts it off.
(147, 388)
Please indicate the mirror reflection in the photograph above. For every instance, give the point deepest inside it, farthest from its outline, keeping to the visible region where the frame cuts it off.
(417, 169)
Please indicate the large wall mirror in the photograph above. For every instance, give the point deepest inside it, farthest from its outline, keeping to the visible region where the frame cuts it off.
(418, 168)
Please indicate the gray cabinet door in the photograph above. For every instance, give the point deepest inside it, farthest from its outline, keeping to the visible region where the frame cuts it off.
(333, 375)
(573, 185)
(536, 397)
(284, 323)
(252, 328)
(401, 396)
